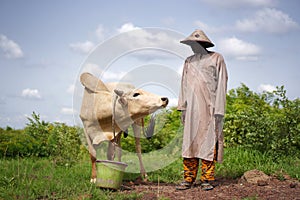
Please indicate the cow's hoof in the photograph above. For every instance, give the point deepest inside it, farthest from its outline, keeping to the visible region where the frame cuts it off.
(93, 180)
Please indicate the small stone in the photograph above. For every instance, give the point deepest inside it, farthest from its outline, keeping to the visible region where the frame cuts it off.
(254, 176)
(293, 185)
(262, 183)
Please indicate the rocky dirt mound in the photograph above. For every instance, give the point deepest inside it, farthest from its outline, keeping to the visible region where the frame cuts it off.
(253, 184)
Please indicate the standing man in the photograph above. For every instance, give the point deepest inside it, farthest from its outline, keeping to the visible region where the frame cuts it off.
(202, 102)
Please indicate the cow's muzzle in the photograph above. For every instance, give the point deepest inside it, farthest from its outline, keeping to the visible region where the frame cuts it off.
(165, 101)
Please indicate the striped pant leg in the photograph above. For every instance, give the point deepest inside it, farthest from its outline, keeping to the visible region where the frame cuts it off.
(190, 166)
(208, 169)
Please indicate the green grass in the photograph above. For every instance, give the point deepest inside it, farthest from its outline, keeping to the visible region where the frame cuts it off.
(37, 178)
(33, 178)
(239, 160)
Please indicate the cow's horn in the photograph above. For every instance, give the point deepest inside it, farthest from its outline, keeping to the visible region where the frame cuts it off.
(119, 92)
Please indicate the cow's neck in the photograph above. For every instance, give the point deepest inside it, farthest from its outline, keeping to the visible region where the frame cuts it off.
(122, 118)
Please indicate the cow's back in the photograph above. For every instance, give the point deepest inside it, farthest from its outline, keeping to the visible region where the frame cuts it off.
(126, 87)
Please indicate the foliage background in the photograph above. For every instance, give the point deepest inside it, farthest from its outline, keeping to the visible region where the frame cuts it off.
(264, 122)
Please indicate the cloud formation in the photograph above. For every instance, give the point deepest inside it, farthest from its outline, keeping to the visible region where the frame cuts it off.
(31, 93)
(10, 48)
(71, 89)
(266, 88)
(127, 27)
(207, 28)
(239, 49)
(83, 47)
(104, 75)
(68, 111)
(100, 33)
(268, 20)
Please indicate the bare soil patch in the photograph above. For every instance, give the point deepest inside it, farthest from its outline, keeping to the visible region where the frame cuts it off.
(225, 189)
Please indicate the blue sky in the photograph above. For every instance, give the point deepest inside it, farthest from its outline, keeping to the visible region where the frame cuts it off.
(43, 45)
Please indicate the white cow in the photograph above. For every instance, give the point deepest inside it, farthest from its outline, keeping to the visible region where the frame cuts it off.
(109, 109)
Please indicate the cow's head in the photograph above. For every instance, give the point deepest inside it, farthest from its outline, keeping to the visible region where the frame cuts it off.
(140, 102)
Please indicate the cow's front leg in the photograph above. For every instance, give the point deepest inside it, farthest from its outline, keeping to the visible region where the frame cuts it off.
(137, 135)
(94, 170)
(114, 147)
(118, 147)
(110, 151)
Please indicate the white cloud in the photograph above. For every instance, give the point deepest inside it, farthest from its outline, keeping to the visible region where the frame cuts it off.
(173, 102)
(266, 88)
(241, 3)
(10, 48)
(207, 28)
(268, 20)
(100, 32)
(240, 50)
(127, 27)
(82, 47)
(132, 37)
(31, 93)
(108, 76)
(103, 75)
(144, 38)
(71, 89)
(68, 111)
(180, 69)
(92, 68)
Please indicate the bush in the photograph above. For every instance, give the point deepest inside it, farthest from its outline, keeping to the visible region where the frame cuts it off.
(39, 130)
(63, 144)
(267, 122)
(167, 128)
(42, 139)
(15, 143)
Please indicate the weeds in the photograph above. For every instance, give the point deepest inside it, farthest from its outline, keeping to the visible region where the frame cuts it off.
(41, 178)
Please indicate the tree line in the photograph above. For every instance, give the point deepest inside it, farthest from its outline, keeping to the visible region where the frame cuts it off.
(268, 122)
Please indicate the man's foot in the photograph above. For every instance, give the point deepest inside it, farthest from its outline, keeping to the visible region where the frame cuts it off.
(184, 186)
(206, 186)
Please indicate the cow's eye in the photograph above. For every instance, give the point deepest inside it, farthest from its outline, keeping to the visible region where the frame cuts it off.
(136, 94)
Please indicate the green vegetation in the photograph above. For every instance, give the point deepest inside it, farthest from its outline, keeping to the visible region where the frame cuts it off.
(42, 139)
(31, 178)
(267, 122)
(41, 178)
(49, 161)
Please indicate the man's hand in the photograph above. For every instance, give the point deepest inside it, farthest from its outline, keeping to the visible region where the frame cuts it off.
(183, 116)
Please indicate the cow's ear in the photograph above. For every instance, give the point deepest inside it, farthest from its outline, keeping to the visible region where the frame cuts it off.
(92, 83)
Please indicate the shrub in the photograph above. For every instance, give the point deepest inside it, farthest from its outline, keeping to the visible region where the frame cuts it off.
(42, 139)
(15, 143)
(63, 144)
(167, 128)
(267, 122)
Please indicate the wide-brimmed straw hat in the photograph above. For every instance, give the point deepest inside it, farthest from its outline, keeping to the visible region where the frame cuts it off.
(198, 36)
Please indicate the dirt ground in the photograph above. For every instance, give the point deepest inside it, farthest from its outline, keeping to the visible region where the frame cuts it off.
(226, 189)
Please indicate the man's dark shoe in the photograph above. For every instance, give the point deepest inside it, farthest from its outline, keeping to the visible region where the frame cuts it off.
(184, 186)
(206, 186)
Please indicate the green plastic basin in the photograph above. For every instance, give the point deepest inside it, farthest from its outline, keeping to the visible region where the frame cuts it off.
(110, 174)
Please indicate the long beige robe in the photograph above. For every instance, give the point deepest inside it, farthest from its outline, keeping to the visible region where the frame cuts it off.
(203, 97)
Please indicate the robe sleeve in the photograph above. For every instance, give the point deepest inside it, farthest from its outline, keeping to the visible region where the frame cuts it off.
(182, 94)
(221, 87)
